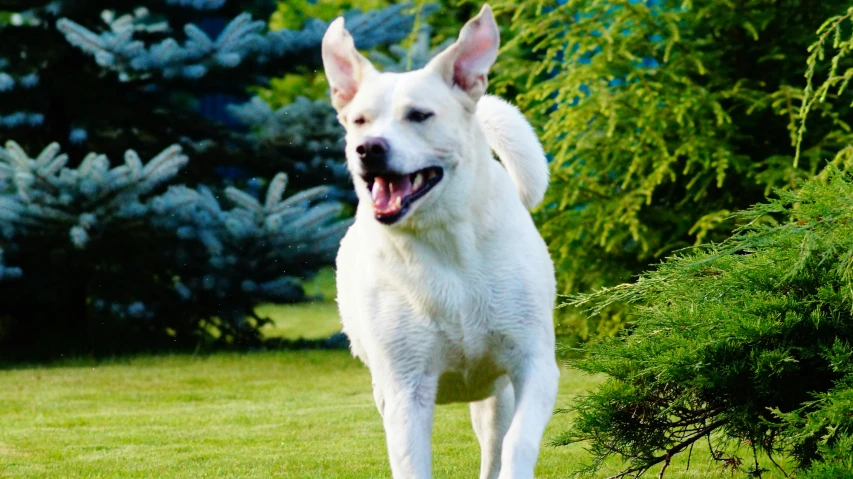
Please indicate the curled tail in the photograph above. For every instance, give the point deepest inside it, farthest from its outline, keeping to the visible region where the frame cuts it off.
(513, 139)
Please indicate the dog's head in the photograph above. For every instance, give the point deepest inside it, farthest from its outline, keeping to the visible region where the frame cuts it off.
(411, 136)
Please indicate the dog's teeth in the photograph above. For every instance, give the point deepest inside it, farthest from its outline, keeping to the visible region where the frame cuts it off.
(399, 202)
(419, 181)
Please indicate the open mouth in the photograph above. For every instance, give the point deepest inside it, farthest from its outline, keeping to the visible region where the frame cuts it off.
(394, 193)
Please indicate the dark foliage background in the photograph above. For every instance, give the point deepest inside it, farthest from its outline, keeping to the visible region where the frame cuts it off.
(104, 255)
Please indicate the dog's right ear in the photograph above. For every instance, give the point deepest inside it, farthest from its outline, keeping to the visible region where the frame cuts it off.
(345, 66)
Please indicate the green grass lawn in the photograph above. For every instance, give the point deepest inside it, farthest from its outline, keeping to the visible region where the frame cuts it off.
(312, 320)
(260, 415)
(300, 414)
(274, 414)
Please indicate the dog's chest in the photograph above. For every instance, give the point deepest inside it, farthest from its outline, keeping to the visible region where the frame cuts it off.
(448, 304)
(456, 325)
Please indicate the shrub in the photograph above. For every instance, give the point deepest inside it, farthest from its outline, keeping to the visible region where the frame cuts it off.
(663, 117)
(748, 342)
(104, 264)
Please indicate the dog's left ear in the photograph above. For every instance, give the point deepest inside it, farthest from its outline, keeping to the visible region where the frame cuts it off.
(466, 63)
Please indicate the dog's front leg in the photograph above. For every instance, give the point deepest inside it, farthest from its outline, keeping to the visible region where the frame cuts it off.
(535, 380)
(408, 417)
(491, 418)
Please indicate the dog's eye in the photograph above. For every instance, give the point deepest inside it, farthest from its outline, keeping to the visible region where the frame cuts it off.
(418, 116)
(359, 121)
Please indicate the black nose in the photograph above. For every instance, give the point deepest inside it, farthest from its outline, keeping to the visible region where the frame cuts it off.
(373, 153)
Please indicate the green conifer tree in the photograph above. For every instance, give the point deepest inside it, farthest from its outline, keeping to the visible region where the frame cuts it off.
(746, 345)
(661, 118)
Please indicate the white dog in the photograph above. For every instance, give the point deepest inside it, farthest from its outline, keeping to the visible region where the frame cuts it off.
(445, 287)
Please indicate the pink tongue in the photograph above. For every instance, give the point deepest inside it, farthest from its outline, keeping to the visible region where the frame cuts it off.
(387, 191)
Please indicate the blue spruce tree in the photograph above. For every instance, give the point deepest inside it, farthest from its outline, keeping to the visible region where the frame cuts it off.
(107, 258)
(73, 72)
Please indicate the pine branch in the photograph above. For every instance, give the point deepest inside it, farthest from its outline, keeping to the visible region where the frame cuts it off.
(670, 452)
(258, 248)
(198, 4)
(49, 196)
(241, 39)
(812, 95)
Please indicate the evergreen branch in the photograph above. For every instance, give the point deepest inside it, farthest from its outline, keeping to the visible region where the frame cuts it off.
(198, 4)
(812, 95)
(257, 249)
(670, 452)
(275, 191)
(784, 473)
(52, 197)
(244, 200)
(303, 197)
(242, 38)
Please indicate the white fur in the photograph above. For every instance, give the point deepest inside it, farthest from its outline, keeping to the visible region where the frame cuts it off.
(453, 302)
(515, 143)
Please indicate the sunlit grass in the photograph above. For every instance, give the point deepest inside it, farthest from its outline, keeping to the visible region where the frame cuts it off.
(312, 320)
(274, 414)
(282, 414)
(300, 414)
